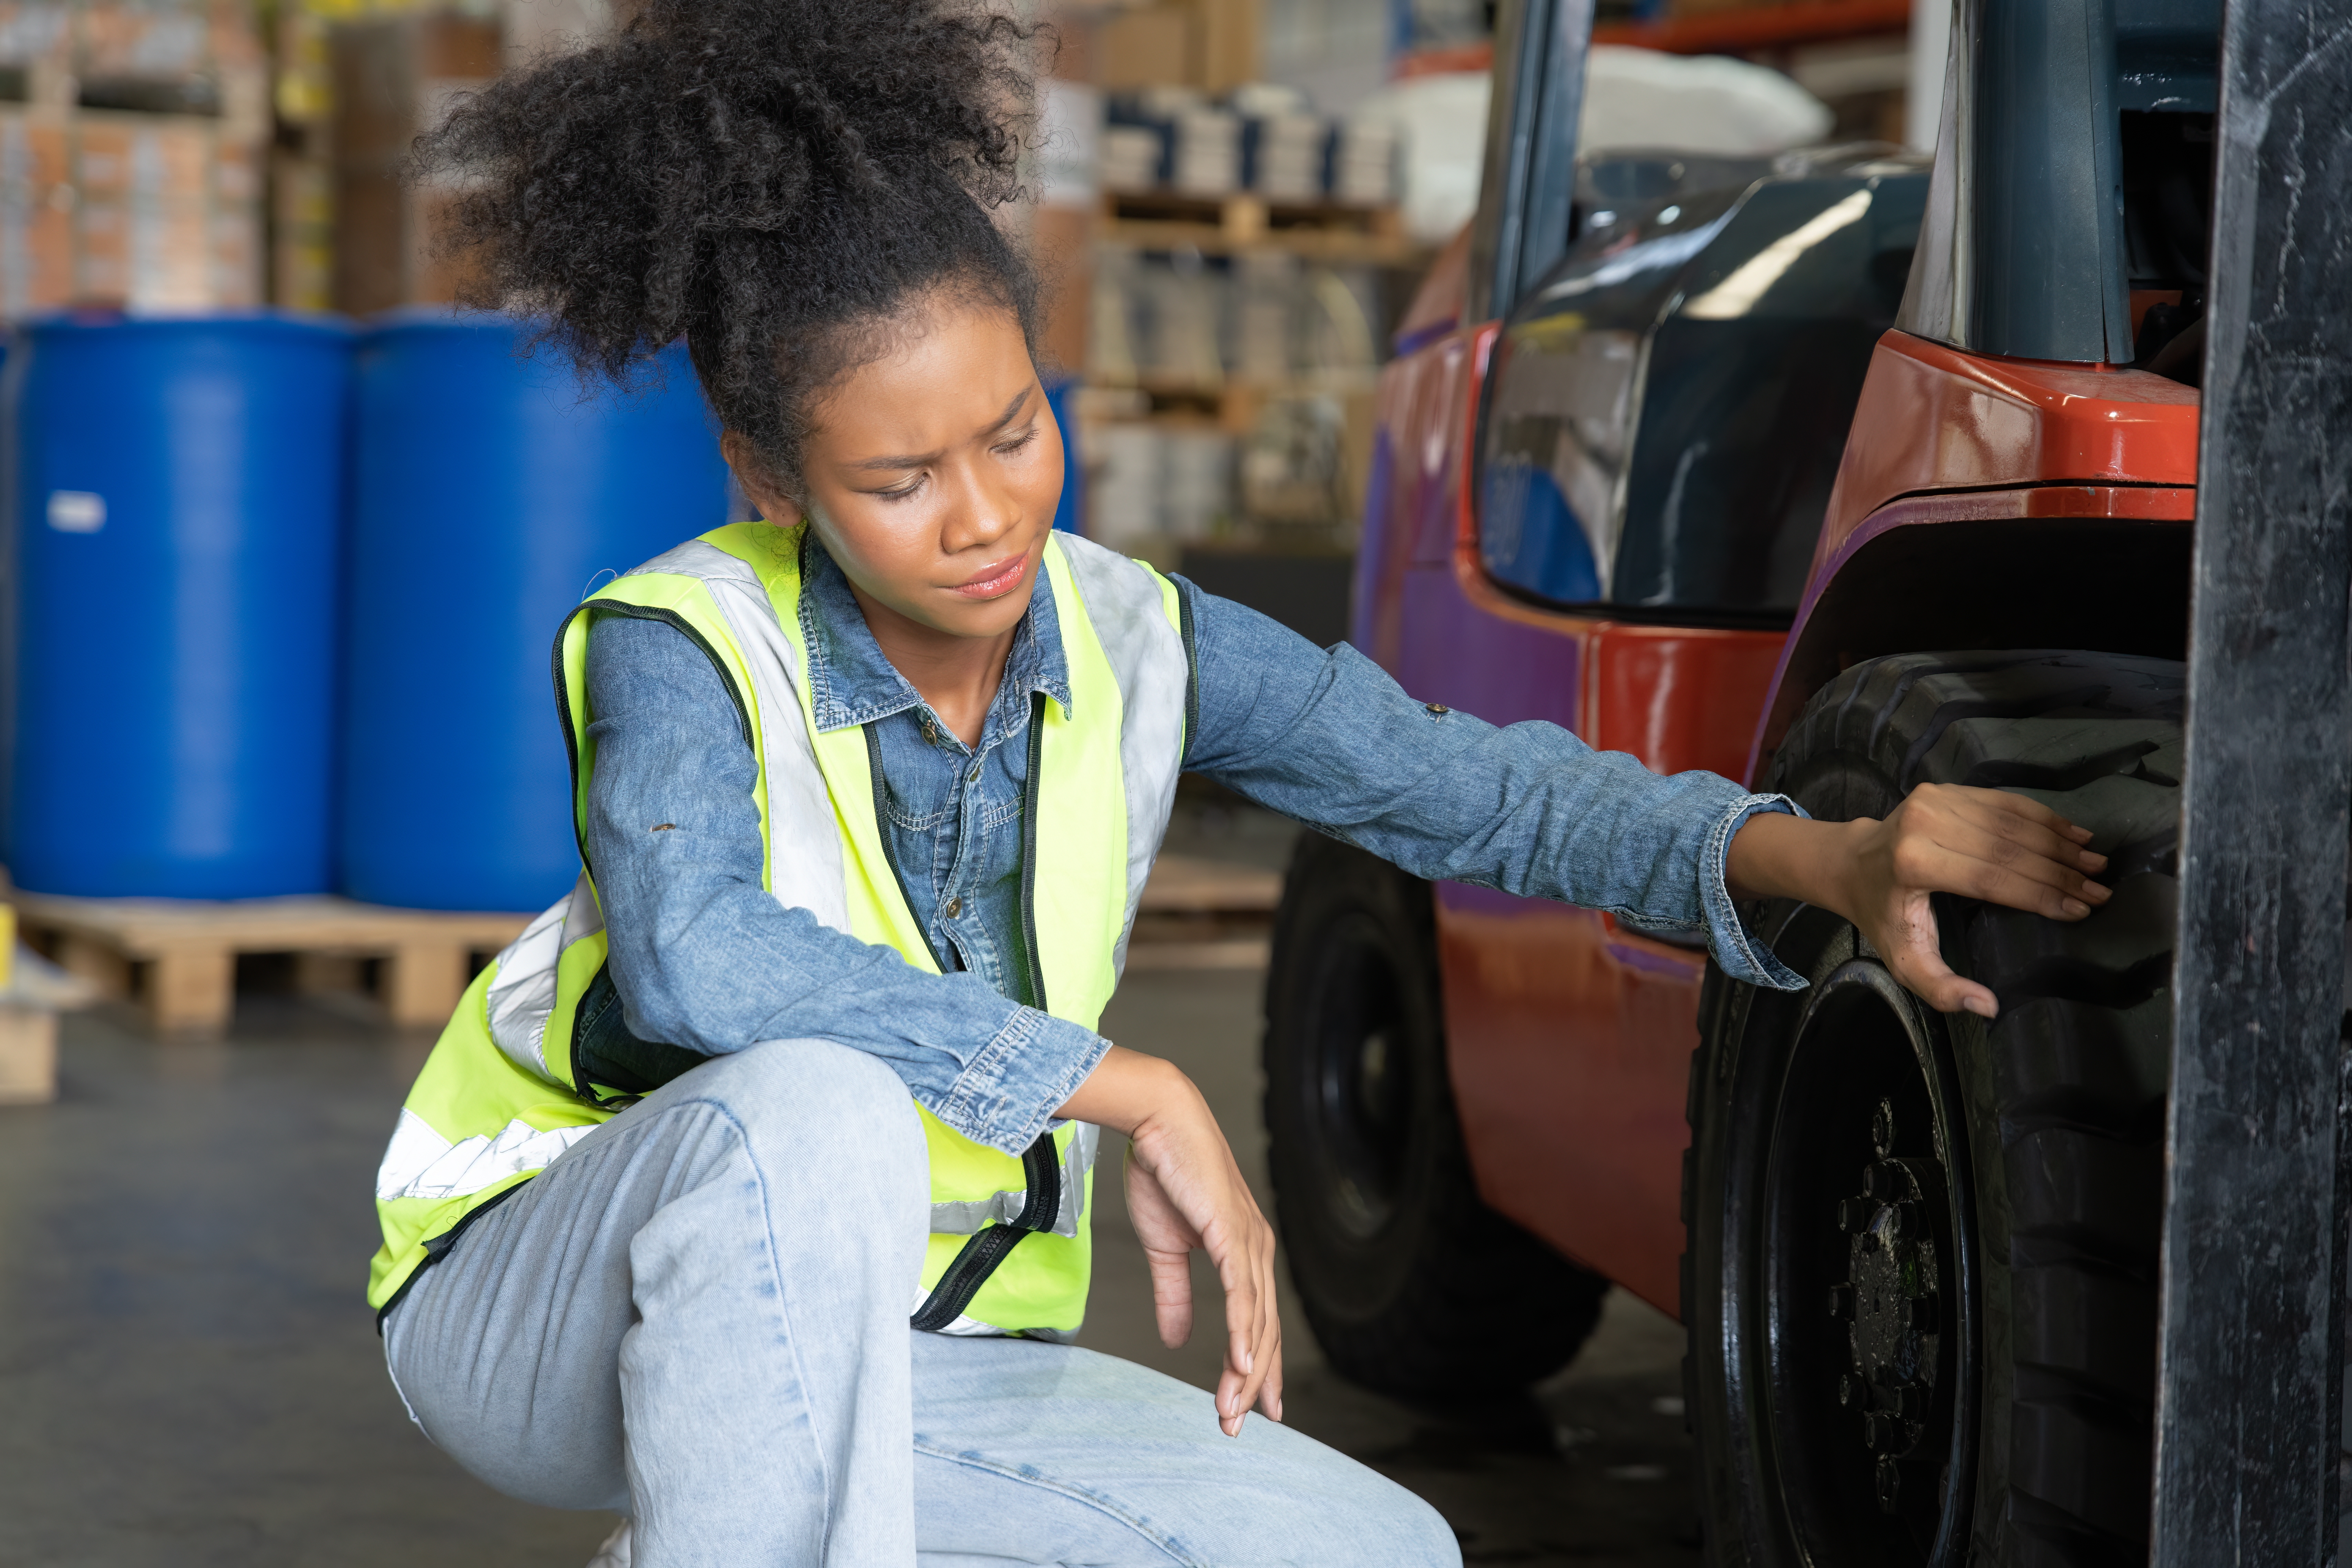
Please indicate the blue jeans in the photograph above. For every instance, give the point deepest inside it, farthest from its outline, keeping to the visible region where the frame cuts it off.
(698, 1317)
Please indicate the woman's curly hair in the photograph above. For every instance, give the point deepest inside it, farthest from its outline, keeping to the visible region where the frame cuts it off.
(771, 179)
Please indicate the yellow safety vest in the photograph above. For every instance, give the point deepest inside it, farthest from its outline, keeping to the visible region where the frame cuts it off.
(537, 1055)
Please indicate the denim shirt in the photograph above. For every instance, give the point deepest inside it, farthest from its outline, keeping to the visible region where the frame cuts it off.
(703, 957)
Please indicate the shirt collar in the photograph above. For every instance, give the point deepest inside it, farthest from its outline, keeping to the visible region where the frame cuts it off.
(850, 682)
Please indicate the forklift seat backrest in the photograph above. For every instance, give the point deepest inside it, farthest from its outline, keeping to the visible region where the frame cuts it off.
(2073, 168)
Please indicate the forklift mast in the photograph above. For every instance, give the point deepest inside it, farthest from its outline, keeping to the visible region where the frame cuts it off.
(2249, 1411)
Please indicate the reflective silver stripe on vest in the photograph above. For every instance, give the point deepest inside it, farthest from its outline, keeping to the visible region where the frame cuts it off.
(1121, 601)
(1147, 655)
(971, 1328)
(421, 1163)
(975, 1215)
(522, 994)
(800, 812)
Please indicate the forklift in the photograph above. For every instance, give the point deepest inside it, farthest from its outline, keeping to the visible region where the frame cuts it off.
(2025, 467)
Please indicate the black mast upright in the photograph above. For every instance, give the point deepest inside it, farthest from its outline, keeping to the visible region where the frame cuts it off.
(2249, 1412)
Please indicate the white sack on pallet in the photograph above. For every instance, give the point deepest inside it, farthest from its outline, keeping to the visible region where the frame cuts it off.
(1632, 97)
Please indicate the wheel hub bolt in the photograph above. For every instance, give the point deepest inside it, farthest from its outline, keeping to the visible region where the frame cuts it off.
(1890, 1484)
(1882, 1128)
(1881, 1432)
(1841, 1301)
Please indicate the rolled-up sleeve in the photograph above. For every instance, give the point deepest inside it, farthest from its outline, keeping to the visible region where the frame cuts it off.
(705, 957)
(1327, 737)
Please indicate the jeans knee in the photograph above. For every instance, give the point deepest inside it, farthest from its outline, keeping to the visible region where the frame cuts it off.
(823, 1107)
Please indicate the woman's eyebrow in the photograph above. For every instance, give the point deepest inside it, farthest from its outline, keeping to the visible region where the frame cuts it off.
(921, 459)
(1012, 408)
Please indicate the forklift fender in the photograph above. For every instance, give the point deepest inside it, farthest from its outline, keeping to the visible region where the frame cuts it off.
(2099, 567)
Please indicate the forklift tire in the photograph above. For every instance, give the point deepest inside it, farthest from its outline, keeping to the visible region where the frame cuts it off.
(1412, 1286)
(1921, 1275)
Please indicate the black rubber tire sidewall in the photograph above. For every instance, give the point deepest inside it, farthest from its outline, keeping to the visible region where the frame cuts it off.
(2061, 1098)
(1449, 1301)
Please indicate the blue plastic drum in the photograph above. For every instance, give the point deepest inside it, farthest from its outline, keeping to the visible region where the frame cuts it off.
(173, 489)
(491, 492)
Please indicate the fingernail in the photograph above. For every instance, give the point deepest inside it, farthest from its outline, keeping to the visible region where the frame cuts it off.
(2093, 859)
(1980, 1006)
(2074, 906)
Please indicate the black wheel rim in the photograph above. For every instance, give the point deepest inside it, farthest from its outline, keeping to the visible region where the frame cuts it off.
(1362, 1089)
(1870, 1316)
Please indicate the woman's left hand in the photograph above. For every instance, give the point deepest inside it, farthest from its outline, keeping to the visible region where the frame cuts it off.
(1185, 1194)
(1942, 838)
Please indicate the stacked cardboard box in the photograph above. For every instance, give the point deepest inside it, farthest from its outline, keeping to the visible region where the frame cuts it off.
(394, 80)
(129, 153)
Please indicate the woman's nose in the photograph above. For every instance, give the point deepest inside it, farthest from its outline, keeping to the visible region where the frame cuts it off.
(979, 512)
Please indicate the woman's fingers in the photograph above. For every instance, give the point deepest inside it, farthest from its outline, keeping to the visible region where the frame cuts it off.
(1171, 1295)
(1910, 947)
(1269, 1352)
(1245, 1370)
(2037, 885)
(1243, 1254)
(1968, 842)
(1983, 843)
(2026, 825)
(1186, 1193)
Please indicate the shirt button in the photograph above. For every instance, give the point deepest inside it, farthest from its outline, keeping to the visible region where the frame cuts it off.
(1437, 707)
(973, 777)
(955, 907)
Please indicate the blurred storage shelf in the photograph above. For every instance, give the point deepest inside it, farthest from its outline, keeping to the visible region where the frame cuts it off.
(1199, 913)
(1734, 29)
(178, 957)
(1232, 405)
(1742, 29)
(131, 141)
(1225, 225)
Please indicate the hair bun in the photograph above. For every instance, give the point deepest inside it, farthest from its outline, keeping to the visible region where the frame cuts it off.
(762, 177)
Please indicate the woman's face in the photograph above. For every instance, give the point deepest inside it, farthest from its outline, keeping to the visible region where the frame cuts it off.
(932, 474)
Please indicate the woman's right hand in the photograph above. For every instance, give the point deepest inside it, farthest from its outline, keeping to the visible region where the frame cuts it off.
(1185, 1192)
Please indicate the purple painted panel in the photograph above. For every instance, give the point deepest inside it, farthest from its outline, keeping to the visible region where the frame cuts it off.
(1500, 671)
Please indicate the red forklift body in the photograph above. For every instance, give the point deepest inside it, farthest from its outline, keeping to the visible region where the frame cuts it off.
(1569, 1038)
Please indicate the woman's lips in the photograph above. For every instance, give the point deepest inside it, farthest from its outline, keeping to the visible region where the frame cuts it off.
(1000, 578)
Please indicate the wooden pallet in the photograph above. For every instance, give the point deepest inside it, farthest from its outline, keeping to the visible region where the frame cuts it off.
(1198, 913)
(1220, 225)
(177, 957)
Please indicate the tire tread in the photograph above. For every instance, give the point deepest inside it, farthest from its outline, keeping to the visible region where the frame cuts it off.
(2078, 1053)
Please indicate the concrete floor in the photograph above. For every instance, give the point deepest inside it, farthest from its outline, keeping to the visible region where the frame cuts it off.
(189, 1378)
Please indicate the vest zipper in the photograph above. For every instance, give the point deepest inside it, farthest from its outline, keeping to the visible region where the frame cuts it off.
(1042, 1166)
(1029, 794)
(1041, 1163)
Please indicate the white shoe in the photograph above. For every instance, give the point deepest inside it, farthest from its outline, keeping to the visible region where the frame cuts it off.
(614, 1552)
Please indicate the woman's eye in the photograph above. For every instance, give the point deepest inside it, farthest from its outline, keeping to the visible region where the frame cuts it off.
(904, 492)
(1009, 447)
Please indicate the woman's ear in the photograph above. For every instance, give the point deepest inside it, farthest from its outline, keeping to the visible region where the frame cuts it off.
(753, 476)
